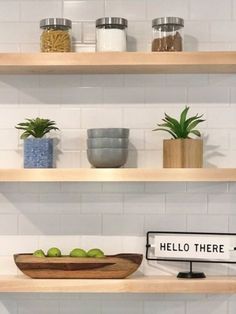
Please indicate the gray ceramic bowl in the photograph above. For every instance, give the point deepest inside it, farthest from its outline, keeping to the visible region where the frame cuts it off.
(107, 157)
(107, 142)
(108, 132)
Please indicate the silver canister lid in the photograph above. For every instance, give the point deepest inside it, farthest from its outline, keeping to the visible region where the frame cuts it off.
(118, 21)
(55, 22)
(171, 20)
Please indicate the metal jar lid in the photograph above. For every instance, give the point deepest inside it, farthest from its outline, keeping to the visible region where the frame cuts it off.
(118, 21)
(55, 22)
(171, 20)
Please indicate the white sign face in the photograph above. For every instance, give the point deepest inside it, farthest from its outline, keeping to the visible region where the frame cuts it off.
(192, 247)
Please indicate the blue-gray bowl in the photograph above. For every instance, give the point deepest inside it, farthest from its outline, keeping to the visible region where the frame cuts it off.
(108, 132)
(107, 157)
(107, 142)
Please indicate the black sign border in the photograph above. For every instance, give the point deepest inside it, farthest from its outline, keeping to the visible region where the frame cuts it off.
(148, 245)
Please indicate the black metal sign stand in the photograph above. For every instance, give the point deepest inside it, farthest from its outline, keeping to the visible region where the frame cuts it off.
(189, 274)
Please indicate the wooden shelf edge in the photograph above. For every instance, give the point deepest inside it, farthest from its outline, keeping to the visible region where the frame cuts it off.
(119, 175)
(118, 62)
(141, 284)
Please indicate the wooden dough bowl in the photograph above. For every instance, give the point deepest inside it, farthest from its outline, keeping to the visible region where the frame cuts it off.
(110, 267)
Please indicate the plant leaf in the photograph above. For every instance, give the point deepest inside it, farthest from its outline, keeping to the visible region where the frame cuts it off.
(171, 133)
(194, 124)
(183, 116)
(196, 132)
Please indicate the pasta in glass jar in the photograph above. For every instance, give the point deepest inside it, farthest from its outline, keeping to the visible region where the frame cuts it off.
(56, 35)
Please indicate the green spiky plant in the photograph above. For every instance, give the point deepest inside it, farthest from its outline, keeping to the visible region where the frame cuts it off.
(183, 128)
(36, 128)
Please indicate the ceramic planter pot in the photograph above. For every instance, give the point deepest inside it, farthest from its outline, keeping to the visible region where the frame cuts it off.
(183, 153)
(107, 157)
(38, 153)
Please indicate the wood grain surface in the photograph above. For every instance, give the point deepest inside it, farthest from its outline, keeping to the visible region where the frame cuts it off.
(109, 267)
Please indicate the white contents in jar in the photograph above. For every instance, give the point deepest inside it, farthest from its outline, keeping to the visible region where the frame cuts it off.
(111, 39)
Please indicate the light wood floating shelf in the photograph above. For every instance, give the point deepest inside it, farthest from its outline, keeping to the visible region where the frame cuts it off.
(131, 285)
(118, 175)
(118, 62)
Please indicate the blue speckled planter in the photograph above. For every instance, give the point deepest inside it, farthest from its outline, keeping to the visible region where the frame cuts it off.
(38, 153)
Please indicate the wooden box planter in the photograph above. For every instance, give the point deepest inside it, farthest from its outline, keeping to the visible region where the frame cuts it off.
(183, 153)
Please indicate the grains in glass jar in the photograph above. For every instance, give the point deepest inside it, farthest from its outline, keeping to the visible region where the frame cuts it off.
(56, 35)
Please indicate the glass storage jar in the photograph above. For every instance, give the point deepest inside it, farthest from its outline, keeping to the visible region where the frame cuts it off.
(167, 34)
(56, 35)
(111, 34)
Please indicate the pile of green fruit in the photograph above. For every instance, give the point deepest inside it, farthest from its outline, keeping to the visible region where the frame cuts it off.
(77, 252)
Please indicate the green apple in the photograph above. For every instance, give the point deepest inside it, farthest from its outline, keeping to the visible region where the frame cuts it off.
(78, 253)
(54, 252)
(39, 253)
(95, 253)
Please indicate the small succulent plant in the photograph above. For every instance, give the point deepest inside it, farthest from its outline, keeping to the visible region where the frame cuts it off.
(36, 127)
(182, 128)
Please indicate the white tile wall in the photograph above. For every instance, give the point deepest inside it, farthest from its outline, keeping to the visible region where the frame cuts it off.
(115, 216)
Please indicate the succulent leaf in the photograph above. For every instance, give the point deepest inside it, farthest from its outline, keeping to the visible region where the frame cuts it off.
(36, 127)
(182, 128)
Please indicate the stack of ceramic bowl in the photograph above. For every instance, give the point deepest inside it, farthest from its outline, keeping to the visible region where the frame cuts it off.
(108, 148)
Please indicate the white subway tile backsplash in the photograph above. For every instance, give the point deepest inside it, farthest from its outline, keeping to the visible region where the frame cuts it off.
(144, 80)
(186, 203)
(80, 187)
(163, 96)
(34, 11)
(165, 222)
(70, 140)
(123, 96)
(115, 216)
(207, 187)
(150, 307)
(142, 118)
(101, 118)
(220, 32)
(232, 224)
(12, 244)
(165, 187)
(59, 203)
(77, 32)
(8, 224)
(216, 307)
(125, 9)
(218, 203)
(65, 243)
(39, 224)
(123, 187)
(109, 245)
(83, 10)
(123, 224)
(144, 203)
(82, 95)
(195, 31)
(159, 8)
(102, 80)
(208, 223)
(89, 34)
(12, 139)
(85, 306)
(8, 307)
(101, 203)
(204, 10)
(9, 11)
(38, 306)
(208, 96)
(76, 224)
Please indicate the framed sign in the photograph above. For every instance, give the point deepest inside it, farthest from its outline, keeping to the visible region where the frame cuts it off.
(191, 247)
